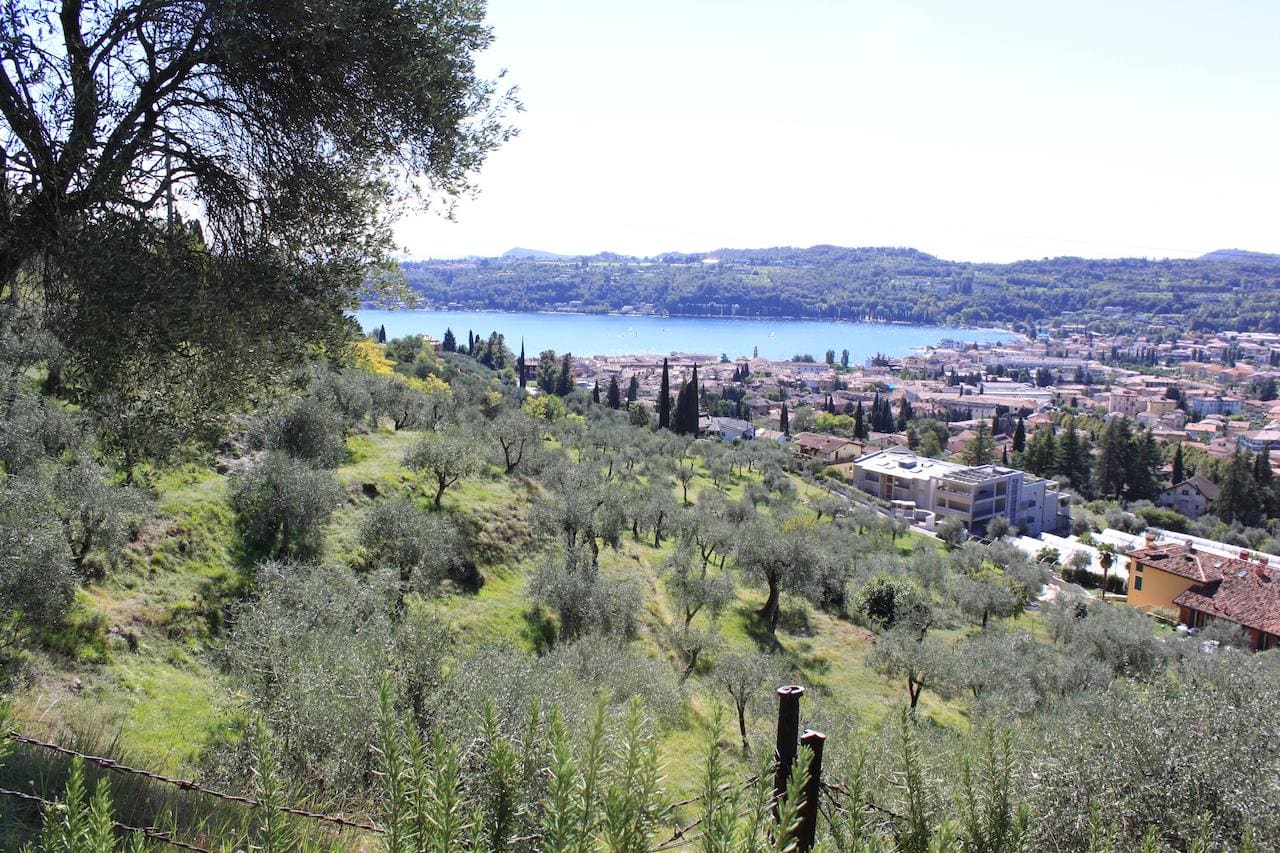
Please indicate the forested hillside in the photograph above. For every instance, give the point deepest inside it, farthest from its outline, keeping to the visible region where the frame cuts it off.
(1240, 292)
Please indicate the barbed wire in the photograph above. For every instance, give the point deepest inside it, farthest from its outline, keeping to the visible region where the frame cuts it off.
(188, 785)
(147, 831)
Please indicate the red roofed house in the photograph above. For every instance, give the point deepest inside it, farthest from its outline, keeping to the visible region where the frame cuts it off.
(831, 449)
(1202, 587)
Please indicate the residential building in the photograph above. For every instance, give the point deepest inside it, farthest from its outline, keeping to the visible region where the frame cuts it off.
(1192, 497)
(1262, 441)
(1201, 587)
(731, 429)
(831, 449)
(973, 494)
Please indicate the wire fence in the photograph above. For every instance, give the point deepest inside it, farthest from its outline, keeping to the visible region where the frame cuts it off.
(829, 799)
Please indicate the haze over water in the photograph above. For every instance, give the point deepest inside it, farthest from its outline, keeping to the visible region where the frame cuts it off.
(609, 334)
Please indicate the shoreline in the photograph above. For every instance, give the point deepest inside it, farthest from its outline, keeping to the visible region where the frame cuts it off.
(735, 318)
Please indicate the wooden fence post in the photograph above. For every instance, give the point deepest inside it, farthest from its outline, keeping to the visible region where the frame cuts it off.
(788, 738)
(808, 828)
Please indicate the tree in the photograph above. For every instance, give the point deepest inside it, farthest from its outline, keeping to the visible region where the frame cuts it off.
(96, 516)
(633, 389)
(1040, 457)
(886, 601)
(450, 344)
(516, 433)
(548, 371)
(1178, 475)
(1071, 457)
(37, 575)
(802, 419)
(615, 393)
(1238, 498)
(859, 426)
(520, 365)
(446, 456)
(595, 393)
(830, 357)
(154, 164)
(1111, 461)
(564, 382)
(282, 505)
(744, 678)
(307, 429)
(781, 552)
(664, 398)
(981, 449)
(909, 653)
(952, 531)
(844, 359)
(1019, 437)
(418, 547)
(784, 420)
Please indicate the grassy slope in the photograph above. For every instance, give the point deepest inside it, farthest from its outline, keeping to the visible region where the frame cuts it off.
(168, 701)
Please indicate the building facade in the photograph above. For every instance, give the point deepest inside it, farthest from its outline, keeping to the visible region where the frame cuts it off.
(973, 494)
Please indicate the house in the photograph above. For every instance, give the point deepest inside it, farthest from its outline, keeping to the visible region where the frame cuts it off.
(1262, 441)
(1159, 572)
(771, 435)
(973, 494)
(831, 449)
(731, 429)
(1193, 497)
(1248, 596)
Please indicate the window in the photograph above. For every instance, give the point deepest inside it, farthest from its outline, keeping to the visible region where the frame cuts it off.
(1137, 584)
(1137, 565)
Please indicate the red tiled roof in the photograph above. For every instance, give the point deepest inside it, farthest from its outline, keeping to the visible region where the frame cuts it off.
(819, 443)
(1178, 558)
(1249, 597)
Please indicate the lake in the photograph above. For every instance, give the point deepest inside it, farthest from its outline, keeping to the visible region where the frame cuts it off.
(614, 334)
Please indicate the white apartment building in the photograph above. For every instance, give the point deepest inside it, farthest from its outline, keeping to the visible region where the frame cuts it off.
(973, 494)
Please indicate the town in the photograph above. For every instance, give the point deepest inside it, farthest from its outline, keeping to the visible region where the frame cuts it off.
(967, 440)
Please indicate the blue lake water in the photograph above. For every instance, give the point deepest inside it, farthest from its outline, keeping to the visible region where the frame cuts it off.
(609, 334)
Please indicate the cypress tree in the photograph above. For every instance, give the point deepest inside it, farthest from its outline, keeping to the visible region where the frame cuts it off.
(564, 385)
(904, 415)
(784, 421)
(1178, 473)
(382, 334)
(664, 398)
(615, 393)
(595, 393)
(471, 341)
(450, 343)
(680, 416)
(1019, 437)
(633, 389)
(519, 361)
(859, 428)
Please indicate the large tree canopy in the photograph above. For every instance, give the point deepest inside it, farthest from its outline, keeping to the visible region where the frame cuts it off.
(201, 177)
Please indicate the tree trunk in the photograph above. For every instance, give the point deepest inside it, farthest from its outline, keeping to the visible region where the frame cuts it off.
(692, 654)
(770, 609)
(742, 724)
(442, 485)
(913, 690)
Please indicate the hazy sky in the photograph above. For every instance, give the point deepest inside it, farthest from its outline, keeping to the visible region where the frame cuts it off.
(970, 130)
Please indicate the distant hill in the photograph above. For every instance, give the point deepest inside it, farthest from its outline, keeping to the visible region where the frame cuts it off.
(1224, 290)
(533, 255)
(1241, 255)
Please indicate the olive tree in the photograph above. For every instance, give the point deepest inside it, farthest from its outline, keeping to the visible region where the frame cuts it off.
(37, 575)
(196, 190)
(782, 553)
(445, 456)
(282, 505)
(96, 516)
(417, 546)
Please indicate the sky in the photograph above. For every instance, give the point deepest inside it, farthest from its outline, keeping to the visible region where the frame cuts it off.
(984, 131)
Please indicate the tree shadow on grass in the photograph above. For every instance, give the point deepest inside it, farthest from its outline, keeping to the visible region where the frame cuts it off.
(539, 630)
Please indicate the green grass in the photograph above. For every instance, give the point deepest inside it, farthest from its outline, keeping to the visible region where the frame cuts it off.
(169, 700)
